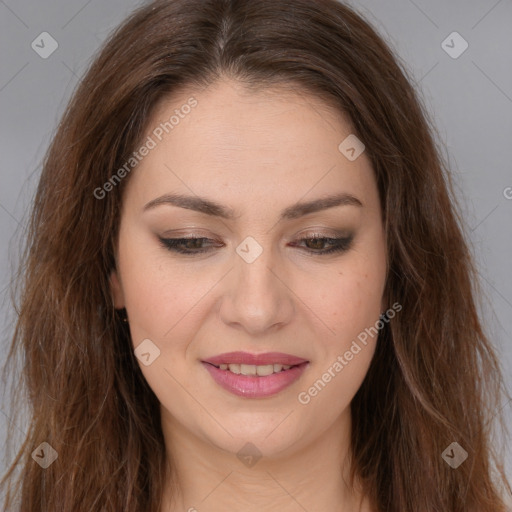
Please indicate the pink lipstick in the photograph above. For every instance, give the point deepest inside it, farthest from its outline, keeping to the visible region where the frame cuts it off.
(255, 375)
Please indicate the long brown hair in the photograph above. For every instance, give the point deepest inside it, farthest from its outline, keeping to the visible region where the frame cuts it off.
(434, 379)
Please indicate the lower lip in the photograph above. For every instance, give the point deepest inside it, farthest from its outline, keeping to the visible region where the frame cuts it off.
(253, 386)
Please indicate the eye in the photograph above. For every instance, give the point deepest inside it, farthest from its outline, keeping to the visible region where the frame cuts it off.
(315, 244)
(189, 245)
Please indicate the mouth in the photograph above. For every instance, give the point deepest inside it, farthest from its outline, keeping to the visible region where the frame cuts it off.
(255, 370)
(255, 375)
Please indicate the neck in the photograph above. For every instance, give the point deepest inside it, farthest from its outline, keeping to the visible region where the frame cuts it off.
(312, 477)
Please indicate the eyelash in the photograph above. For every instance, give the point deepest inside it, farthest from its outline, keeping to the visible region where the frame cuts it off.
(338, 245)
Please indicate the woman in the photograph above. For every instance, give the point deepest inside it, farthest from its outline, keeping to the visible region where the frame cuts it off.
(247, 285)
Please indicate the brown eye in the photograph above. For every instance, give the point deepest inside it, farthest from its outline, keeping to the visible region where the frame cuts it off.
(316, 244)
(190, 245)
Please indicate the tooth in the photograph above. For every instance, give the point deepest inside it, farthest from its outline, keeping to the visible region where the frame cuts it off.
(235, 368)
(264, 370)
(251, 369)
(247, 369)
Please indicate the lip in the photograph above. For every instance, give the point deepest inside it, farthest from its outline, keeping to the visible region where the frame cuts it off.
(250, 386)
(255, 359)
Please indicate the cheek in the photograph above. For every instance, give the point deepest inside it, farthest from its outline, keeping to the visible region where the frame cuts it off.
(351, 309)
(157, 295)
(333, 386)
(349, 298)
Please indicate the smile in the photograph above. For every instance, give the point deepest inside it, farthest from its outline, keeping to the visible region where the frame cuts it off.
(251, 369)
(255, 375)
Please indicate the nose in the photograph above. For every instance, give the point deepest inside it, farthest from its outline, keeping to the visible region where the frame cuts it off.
(256, 297)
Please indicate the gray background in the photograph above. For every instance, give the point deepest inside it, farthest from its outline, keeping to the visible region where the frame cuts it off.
(469, 98)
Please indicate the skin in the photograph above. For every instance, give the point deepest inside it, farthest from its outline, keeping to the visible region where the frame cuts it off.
(257, 153)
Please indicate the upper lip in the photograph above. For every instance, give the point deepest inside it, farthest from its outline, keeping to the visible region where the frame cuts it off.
(255, 359)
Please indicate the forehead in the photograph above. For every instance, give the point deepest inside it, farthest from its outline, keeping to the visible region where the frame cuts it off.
(265, 143)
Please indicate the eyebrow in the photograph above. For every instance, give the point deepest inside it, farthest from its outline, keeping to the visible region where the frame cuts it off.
(209, 207)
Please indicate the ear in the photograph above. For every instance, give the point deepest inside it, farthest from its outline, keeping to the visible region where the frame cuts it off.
(117, 290)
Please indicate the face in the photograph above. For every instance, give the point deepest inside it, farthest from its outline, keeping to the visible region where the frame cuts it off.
(270, 280)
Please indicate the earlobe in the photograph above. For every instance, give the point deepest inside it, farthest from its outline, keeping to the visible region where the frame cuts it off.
(117, 290)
